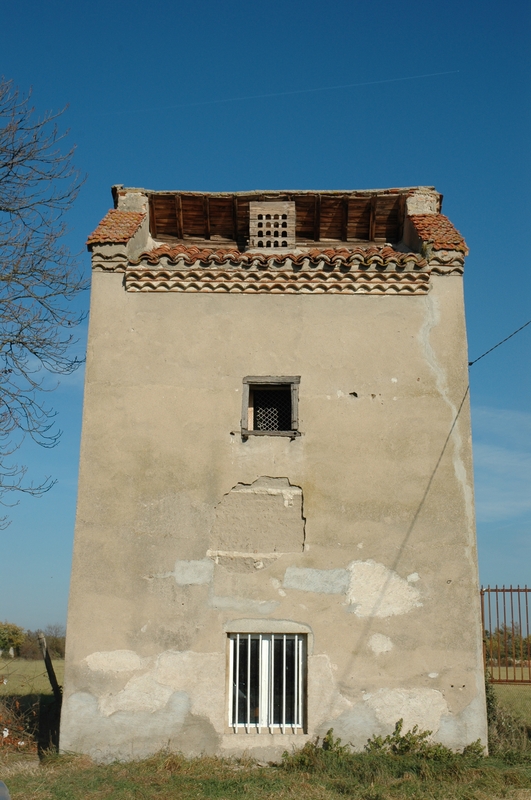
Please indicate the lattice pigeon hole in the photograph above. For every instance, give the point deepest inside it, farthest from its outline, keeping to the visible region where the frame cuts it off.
(272, 409)
(272, 224)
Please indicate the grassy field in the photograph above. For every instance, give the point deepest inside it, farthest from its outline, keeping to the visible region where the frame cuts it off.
(364, 777)
(519, 673)
(516, 699)
(19, 677)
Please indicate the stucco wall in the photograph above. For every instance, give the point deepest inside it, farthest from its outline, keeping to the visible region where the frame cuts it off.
(361, 530)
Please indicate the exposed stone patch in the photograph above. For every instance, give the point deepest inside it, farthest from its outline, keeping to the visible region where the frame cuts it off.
(376, 591)
(265, 517)
(234, 561)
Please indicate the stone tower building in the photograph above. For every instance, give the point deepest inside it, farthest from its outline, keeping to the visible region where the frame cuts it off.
(275, 525)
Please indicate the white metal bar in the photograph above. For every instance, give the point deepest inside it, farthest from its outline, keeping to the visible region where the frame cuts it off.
(284, 684)
(295, 686)
(231, 680)
(301, 678)
(272, 685)
(248, 716)
(237, 682)
(259, 677)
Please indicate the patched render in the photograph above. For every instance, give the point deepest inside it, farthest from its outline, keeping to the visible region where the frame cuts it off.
(188, 573)
(115, 661)
(376, 591)
(143, 693)
(372, 590)
(422, 707)
(379, 644)
(322, 581)
(172, 671)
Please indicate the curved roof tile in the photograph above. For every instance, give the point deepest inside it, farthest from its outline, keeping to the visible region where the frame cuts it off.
(361, 255)
(436, 229)
(116, 227)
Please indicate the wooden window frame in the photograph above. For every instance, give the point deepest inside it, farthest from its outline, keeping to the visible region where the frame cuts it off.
(249, 382)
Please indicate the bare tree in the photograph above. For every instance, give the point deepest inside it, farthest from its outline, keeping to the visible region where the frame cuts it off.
(39, 279)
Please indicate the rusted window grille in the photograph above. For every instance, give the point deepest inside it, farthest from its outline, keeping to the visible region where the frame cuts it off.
(272, 409)
(506, 634)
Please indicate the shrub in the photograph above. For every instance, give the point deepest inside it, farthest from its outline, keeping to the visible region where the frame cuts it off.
(55, 640)
(11, 636)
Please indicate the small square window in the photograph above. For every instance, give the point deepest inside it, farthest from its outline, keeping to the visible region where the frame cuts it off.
(270, 406)
(267, 680)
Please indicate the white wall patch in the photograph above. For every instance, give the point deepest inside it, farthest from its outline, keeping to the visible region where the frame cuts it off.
(115, 661)
(422, 707)
(376, 591)
(380, 643)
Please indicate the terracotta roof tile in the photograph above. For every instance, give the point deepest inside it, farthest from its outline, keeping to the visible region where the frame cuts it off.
(116, 227)
(437, 230)
(277, 281)
(364, 256)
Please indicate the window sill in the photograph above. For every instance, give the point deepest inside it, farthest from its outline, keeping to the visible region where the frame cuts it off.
(291, 434)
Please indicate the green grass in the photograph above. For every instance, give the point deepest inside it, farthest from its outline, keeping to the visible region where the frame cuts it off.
(516, 699)
(518, 673)
(361, 776)
(27, 677)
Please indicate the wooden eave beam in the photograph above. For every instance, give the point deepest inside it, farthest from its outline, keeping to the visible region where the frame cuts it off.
(235, 218)
(401, 215)
(152, 217)
(179, 215)
(206, 211)
(344, 221)
(317, 218)
(372, 218)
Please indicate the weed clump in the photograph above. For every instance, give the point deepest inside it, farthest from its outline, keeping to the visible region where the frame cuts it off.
(399, 756)
(417, 743)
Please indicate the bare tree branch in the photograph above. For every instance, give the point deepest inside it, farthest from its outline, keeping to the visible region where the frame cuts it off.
(39, 278)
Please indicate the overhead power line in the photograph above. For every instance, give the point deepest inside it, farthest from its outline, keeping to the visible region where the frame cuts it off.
(499, 343)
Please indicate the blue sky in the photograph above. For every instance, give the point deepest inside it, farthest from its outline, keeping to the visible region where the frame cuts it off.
(233, 96)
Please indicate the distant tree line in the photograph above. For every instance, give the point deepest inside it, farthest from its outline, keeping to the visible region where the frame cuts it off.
(25, 643)
(507, 646)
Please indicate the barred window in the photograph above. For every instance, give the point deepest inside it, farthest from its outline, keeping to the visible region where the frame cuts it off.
(270, 406)
(267, 678)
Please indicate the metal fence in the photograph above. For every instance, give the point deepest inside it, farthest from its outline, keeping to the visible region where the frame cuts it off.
(506, 634)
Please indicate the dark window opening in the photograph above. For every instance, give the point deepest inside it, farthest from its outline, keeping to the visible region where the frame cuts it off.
(272, 409)
(270, 406)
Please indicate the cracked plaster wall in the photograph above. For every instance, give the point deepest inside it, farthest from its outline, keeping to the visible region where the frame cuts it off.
(360, 531)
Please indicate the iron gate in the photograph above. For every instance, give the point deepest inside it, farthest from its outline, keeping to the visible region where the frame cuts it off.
(506, 634)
